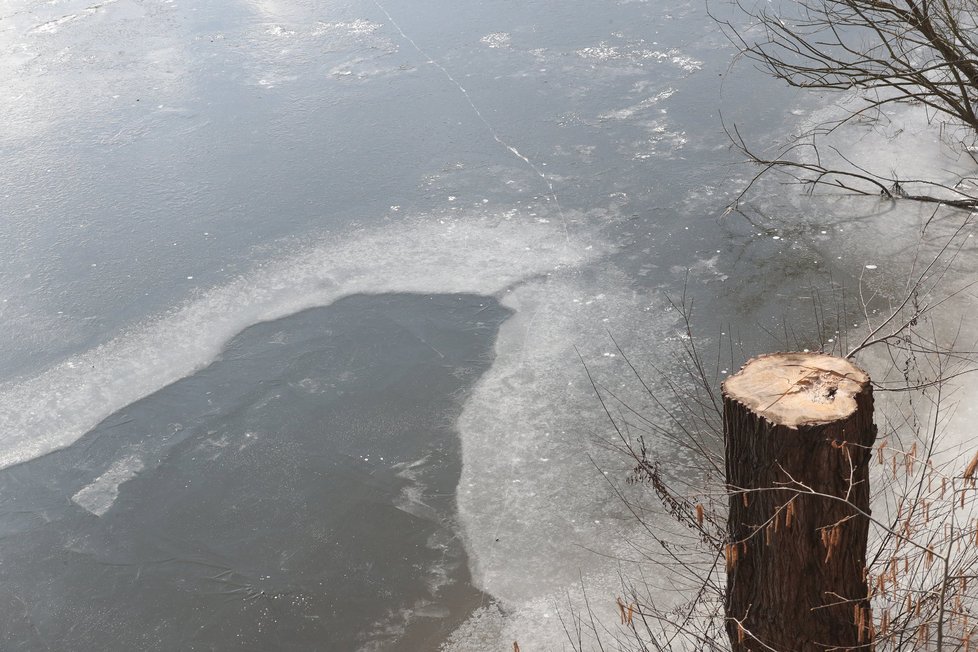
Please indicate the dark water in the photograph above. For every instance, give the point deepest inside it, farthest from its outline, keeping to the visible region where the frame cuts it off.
(297, 493)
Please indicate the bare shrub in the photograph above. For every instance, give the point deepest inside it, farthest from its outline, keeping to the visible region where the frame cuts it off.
(883, 53)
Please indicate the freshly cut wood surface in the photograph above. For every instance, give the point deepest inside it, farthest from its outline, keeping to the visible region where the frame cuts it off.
(793, 389)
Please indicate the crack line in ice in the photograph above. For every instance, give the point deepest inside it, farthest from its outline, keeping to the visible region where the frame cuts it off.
(492, 131)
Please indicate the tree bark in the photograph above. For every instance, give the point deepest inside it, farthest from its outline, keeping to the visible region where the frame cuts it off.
(799, 434)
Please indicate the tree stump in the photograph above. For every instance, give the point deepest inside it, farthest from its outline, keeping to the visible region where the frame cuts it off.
(799, 435)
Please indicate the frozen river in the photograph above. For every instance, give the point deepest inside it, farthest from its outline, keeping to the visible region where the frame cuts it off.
(293, 294)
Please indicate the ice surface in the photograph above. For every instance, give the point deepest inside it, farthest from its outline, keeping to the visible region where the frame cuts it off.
(638, 51)
(52, 26)
(546, 623)
(99, 496)
(629, 112)
(528, 495)
(476, 254)
(538, 514)
(352, 48)
(532, 503)
(903, 141)
(497, 40)
(411, 499)
(50, 50)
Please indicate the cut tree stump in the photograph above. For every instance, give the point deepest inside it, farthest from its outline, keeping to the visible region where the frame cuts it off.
(799, 435)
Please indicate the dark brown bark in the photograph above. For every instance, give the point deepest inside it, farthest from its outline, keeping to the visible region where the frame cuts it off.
(799, 434)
